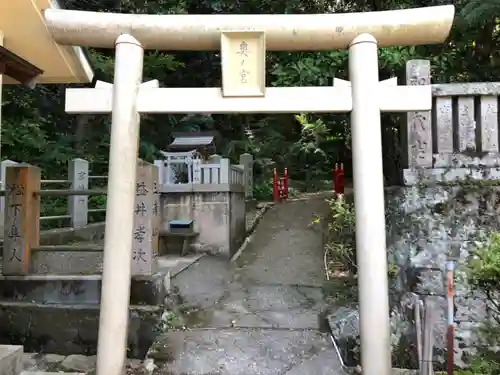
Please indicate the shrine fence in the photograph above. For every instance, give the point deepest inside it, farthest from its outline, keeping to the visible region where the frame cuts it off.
(79, 178)
(184, 172)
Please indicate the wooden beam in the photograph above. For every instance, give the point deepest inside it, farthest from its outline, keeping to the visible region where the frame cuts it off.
(18, 68)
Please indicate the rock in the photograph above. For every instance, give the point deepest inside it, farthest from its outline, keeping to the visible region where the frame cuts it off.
(344, 322)
(79, 363)
(53, 358)
(134, 364)
(29, 361)
(149, 365)
(171, 301)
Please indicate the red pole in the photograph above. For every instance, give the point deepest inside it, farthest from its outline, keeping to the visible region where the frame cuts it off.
(451, 318)
(340, 178)
(334, 174)
(275, 186)
(285, 184)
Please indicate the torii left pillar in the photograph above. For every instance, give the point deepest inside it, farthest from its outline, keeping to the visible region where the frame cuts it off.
(115, 293)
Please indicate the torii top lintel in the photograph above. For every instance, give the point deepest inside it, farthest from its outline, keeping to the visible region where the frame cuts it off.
(283, 32)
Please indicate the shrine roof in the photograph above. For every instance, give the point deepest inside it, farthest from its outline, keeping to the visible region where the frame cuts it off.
(26, 35)
(192, 140)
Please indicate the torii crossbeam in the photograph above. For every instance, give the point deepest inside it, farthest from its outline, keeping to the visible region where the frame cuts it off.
(389, 98)
(364, 96)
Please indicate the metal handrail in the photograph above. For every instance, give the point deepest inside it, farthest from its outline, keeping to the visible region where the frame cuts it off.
(70, 192)
(55, 181)
(65, 248)
(56, 217)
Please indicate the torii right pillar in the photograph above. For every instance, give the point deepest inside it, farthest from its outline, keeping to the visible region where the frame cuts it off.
(369, 202)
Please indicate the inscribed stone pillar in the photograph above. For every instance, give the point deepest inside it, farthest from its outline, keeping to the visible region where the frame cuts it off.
(443, 117)
(488, 114)
(466, 124)
(22, 218)
(4, 165)
(78, 174)
(247, 161)
(146, 220)
(416, 131)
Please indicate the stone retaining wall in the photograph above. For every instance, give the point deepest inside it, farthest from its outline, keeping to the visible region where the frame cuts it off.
(426, 227)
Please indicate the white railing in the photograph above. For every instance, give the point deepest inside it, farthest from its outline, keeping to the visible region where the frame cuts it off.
(177, 167)
(216, 171)
(207, 173)
(237, 175)
(197, 172)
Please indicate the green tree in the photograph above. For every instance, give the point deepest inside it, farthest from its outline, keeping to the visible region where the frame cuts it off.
(36, 129)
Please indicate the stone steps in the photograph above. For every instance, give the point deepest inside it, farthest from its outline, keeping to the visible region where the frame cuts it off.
(71, 329)
(65, 263)
(13, 361)
(68, 289)
(75, 364)
(68, 262)
(60, 313)
(78, 289)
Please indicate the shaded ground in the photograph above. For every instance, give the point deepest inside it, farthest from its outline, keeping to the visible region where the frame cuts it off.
(259, 315)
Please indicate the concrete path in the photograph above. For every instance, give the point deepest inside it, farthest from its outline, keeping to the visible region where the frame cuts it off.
(259, 315)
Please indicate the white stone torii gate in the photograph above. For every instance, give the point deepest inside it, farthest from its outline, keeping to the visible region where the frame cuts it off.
(364, 96)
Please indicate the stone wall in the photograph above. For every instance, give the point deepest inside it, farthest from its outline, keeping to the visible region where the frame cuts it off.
(69, 262)
(430, 222)
(219, 218)
(238, 221)
(72, 329)
(59, 236)
(426, 227)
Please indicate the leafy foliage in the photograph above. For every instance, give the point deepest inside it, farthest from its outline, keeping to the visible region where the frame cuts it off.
(263, 191)
(37, 130)
(340, 246)
(484, 271)
(483, 275)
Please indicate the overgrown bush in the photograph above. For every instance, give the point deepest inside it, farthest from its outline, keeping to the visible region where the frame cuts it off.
(340, 247)
(484, 272)
(263, 190)
(483, 275)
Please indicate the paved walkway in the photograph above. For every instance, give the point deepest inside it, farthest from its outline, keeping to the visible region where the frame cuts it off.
(259, 315)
